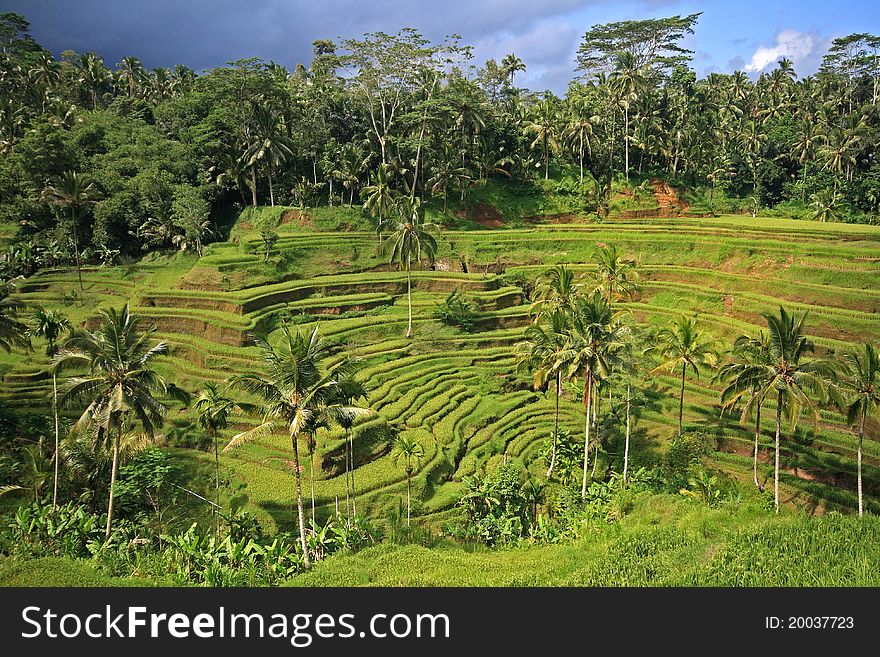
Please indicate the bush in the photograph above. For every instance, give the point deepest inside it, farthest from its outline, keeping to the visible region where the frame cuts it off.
(458, 311)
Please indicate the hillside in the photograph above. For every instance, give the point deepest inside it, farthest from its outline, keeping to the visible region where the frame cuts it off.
(457, 393)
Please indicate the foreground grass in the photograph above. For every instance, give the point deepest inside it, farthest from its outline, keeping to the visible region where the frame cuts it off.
(665, 542)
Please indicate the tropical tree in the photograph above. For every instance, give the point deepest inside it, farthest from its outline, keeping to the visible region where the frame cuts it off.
(410, 243)
(118, 381)
(541, 351)
(214, 408)
(541, 123)
(269, 142)
(510, 66)
(298, 394)
(13, 333)
(796, 383)
(73, 191)
(682, 344)
(49, 325)
(626, 81)
(410, 451)
(596, 338)
(379, 196)
(862, 380)
(749, 353)
(616, 276)
(558, 289)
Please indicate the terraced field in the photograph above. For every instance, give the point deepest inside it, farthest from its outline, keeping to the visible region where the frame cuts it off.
(457, 393)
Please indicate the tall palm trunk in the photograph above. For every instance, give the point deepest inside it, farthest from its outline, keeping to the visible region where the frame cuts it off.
(113, 472)
(299, 503)
(254, 186)
(582, 158)
(271, 192)
(408, 486)
(311, 445)
(626, 140)
(555, 426)
(55, 410)
(351, 461)
(347, 476)
(588, 400)
(776, 457)
(859, 459)
(596, 401)
(76, 248)
(626, 445)
(681, 399)
(217, 477)
(757, 437)
(409, 329)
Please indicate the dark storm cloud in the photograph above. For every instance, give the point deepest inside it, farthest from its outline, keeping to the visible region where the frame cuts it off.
(206, 33)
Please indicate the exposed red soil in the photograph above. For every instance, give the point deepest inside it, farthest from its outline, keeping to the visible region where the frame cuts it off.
(484, 214)
(297, 216)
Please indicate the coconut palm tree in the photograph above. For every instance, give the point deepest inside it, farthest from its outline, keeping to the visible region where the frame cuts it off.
(541, 352)
(13, 333)
(797, 384)
(410, 243)
(410, 451)
(132, 72)
(616, 277)
(541, 122)
(269, 142)
(118, 381)
(298, 394)
(740, 374)
(578, 135)
(73, 191)
(214, 408)
(510, 66)
(863, 382)
(626, 81)
(379, 196)
(348, 391)
(50, 324)
(596, 337)
(558, 289)
(682, 344)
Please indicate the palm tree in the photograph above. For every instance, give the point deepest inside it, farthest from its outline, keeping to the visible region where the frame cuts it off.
(93, 75)
(119, 380)
(410, 242)
(615, 275)
(74, 191)
(50, 324)
(132, 71)
(626, 81)
(352, 163)
(348, 391)
(541, 122)
(863, 382)
(796, 383)
(13, 333)
(682, 344)
(558, 290)
(410, 451)
(379, 196)
(596, 337)
(541, 352)
(740, 374)
(269, 142)
(511, 65)
(214, 408)
(577, 135)
(297, 394)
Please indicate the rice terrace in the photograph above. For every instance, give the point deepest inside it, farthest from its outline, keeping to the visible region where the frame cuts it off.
(388, 319)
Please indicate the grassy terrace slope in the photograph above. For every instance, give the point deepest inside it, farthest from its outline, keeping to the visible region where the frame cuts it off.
(456, 392)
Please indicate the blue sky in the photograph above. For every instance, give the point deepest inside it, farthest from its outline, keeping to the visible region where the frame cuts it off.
(747, 35)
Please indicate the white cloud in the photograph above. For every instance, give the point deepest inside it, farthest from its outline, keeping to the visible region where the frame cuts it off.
(800, 47)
